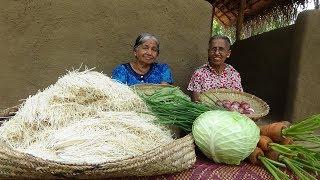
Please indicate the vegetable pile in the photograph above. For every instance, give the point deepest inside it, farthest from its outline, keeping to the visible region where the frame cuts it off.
(224, 136)
(229, 137)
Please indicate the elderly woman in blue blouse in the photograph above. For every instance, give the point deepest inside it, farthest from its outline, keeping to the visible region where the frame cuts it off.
(144, 69)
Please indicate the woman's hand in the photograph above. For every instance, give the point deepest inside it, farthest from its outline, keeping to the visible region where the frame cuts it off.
(163, 82)
(195, 97)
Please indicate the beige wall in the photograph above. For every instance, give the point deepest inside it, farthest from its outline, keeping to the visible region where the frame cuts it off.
(39, 40)
(304, 87)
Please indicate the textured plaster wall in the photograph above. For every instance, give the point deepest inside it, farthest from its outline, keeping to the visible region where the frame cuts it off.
(40, 40)
(304, 82)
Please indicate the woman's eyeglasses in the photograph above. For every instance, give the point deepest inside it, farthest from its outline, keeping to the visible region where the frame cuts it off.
(146, 49)
(219, 49)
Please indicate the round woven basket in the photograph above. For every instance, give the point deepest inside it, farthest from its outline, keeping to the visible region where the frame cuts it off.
(260, 107)
(169, 158)
(149, 89)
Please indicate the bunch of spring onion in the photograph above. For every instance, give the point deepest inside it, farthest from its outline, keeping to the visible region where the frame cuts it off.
(173, 107)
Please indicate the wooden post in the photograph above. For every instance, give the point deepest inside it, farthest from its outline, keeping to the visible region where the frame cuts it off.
(240, 18)
(212, 16)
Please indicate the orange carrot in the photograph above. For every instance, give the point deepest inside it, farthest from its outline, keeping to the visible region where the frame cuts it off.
(273, 131)
(272, 154)
(287, 140)
(264, 143)
(254, 156)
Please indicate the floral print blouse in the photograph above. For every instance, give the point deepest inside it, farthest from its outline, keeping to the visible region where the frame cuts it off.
(206, 78)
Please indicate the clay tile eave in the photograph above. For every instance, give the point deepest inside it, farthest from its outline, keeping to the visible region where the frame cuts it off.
(226, 11)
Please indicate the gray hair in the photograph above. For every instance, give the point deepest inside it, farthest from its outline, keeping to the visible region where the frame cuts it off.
(142, 38)
(225, 38)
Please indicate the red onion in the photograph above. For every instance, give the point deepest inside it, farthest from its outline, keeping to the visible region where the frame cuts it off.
(248, 111)
(244, 105)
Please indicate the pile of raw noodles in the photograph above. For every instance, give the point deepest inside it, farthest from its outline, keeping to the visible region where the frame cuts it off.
(85, 117)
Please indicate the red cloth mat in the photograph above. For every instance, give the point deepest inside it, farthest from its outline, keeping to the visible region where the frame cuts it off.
(205, 169)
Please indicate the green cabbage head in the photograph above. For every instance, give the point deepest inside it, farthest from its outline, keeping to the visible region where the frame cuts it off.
(225, 136)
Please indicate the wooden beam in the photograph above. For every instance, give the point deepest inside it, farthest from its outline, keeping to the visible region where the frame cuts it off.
(240, 18)
(316, 4)
(219, 17)
(220, 14)
(229, 8)
(221, 8)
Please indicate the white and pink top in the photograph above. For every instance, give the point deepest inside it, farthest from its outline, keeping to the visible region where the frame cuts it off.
(206, 78)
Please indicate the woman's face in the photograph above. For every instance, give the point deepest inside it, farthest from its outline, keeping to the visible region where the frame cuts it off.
(218, 52)
(147, 52)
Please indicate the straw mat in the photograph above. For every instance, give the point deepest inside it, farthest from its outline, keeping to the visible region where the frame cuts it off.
(260, 107)
(206, 169)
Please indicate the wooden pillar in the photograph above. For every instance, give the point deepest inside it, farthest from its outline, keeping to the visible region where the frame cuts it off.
(212, 17)
(316, 4)
(240, 17)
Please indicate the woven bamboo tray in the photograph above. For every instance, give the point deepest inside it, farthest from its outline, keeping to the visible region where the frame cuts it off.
(260, 107)
(170, 158)
(149, 89)
(174, 157)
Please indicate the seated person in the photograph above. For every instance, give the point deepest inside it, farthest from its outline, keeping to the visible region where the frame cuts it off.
(215, 74)
(144, 69)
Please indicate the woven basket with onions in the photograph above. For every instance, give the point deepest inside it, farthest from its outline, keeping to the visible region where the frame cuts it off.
(260, 107)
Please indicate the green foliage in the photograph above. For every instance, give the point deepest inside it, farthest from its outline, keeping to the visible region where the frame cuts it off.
(218, 29)
(277, 18)
(257, 26)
